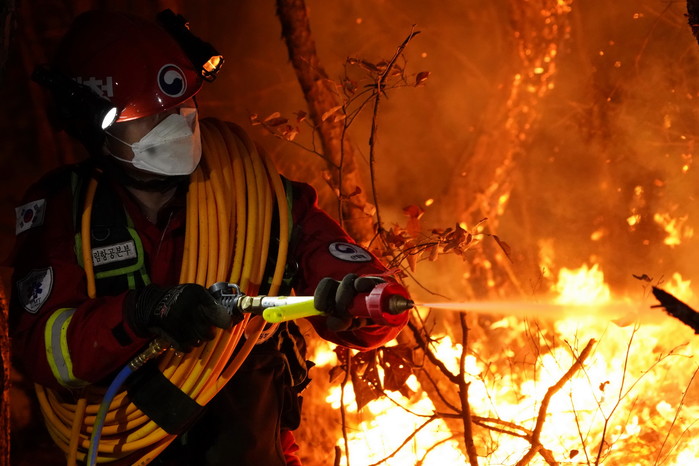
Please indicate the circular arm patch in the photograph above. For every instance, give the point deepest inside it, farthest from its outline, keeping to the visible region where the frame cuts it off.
(349, 252)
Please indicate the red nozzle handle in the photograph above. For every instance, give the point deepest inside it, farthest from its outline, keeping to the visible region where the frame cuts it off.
(387, 302)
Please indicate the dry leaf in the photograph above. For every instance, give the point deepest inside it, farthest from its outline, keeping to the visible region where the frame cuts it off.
(434, 253)
(365, 378)
(643, 277)
(398, 366)
(273, 122)
(300, 116)
(327, 114)
(504, 246)
(336, 373)
(368, 66)
(349, 86)
(414, 213)
(272, 116)
(421, 77)
(290, 132)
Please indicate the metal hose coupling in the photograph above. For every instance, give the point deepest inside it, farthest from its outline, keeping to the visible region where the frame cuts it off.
(229, 296)
(155, 348)
(238, 303)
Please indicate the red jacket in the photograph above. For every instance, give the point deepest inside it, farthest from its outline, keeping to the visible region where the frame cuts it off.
(45, 251)
(52, 318)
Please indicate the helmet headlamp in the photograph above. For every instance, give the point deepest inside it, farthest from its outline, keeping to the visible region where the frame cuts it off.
(203, 55)
(76, 102)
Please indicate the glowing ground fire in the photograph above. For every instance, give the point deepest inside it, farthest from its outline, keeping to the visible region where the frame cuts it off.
(633, 401)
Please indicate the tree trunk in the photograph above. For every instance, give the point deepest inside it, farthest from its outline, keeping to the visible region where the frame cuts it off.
(321, 96)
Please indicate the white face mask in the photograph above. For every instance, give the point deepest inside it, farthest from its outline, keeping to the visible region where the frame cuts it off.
(172, 147)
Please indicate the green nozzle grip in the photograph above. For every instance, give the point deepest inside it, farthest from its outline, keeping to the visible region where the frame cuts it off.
(277, 314)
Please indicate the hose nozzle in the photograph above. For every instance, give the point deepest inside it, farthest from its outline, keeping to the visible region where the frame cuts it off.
(397, 304)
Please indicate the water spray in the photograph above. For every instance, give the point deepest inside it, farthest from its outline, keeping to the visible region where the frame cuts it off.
(387, 301)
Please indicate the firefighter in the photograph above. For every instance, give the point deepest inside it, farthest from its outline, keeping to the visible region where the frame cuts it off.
(66, 340)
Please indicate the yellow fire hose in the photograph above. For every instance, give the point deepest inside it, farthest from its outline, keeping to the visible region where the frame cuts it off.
(229, 211)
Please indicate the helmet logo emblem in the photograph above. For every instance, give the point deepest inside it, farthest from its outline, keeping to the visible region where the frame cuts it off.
(171, 80)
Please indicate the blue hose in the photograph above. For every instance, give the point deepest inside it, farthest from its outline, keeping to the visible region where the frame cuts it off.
(102, 412)
(155, 348)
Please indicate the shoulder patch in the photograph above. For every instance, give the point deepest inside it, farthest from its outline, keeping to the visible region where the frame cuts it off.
(35, 288)
(30, 215)
(349, 252)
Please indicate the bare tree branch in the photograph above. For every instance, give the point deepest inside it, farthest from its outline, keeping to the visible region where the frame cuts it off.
(534, 440)
(463, 395)
(378, 92)
(405, 442)
(422, 343)
(674, 419)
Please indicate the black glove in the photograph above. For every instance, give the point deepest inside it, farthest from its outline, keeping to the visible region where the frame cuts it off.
(184, 314)
(335, 298)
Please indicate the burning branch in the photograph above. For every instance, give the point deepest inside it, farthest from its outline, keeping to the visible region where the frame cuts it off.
(343, 411)
(408, 439)
(463, 395)
(677, 309)
(534, 439)
(498, 425)
(424, 345)
(674, 419)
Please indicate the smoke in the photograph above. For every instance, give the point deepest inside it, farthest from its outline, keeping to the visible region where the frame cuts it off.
(613, 140)
(605, 155)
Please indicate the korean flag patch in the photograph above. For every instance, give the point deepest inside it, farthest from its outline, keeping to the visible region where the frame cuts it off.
(30, 215)
(35, 288)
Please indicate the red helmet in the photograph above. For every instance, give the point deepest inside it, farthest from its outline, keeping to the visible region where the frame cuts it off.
(134, 63)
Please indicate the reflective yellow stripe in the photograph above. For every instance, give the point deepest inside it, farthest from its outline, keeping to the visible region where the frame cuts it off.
(57, 352)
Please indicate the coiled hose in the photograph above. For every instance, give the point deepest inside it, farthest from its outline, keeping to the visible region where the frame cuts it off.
(229, 210)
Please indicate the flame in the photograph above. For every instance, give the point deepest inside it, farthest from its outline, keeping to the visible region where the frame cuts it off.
(680, 287)
(676, 228)
(381, 427)
(583, 286)
(629, 404)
